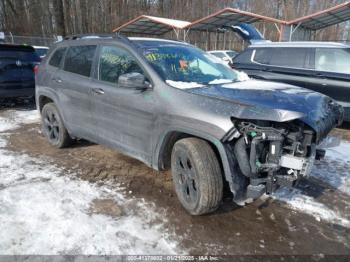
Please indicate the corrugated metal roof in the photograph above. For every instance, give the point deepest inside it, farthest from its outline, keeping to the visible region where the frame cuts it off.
(228, 17)
(151, 25)
(325, 18)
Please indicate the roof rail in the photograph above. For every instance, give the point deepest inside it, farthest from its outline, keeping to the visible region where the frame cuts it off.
(86, 36)
(122, 38)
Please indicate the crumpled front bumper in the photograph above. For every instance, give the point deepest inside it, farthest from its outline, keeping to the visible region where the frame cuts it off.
(302, 164)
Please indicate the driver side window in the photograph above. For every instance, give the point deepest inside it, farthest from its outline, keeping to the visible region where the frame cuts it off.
(114, 62)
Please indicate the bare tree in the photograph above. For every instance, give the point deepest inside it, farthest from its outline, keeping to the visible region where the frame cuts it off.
(65, 17)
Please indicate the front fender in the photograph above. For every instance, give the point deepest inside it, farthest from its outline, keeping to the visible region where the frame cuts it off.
(215, 141)
(40, 93)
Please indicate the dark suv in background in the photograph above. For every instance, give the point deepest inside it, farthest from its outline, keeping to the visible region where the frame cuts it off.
(173, 106)
(17, 66)
(320, 66)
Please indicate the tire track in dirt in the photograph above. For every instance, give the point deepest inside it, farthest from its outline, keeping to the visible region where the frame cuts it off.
(264, 227)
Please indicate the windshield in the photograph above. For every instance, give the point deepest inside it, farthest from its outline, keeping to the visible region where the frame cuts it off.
(231, 54)
(217, 54)
(178, 63)
(41, 51)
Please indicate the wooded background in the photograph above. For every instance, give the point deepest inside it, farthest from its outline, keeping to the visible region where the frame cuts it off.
(48, 18)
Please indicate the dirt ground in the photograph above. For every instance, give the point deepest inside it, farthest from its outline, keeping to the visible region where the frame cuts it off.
(266, 226)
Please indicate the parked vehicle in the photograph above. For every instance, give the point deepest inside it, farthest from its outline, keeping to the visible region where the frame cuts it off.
(172, 106)
(41, 51)
(320, 66)
(17, 66)
(224, 55)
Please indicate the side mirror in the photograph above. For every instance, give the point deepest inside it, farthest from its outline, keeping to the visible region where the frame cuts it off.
(133, 80)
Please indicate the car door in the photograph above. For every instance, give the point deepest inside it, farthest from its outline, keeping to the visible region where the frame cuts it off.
(332, 73)
(73, 84)
(287, 65)
(51, 70)
(124, 117)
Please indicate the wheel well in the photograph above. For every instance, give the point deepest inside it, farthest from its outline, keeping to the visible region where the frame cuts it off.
(168, 144)
(43, 100)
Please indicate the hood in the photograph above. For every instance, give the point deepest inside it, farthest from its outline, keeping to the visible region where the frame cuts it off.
(312, 107)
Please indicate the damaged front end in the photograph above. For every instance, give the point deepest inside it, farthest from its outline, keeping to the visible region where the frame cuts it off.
(270, 155)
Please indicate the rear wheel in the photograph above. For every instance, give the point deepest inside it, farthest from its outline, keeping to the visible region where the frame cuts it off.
(53, 126)
(197, 176)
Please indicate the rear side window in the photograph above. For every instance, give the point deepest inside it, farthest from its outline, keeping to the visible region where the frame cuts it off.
(290, 57)
(57, 57)
(333, 60)
(79, 59)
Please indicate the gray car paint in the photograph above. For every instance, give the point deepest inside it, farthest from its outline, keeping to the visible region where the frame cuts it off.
(139, 122)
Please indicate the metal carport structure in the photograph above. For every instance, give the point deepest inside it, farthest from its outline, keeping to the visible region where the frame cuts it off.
(303, 27)
(229, 17)
(298, 29)
(226, 17)
(152, 25)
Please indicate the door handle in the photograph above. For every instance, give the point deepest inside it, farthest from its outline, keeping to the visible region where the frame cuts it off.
(98, 91)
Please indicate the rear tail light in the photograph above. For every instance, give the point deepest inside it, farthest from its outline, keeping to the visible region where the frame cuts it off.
(36, 69)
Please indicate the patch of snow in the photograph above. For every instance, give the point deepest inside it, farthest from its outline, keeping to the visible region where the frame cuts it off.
(242, 76)
(220, 81)
(44, 210)
(264, 85)
(296, 200)
(341, 152)
(334, 168)
(183, 85)
(3, 142)
(13, 119)
(167, 21)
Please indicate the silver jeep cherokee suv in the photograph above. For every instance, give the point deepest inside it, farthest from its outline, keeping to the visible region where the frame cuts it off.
(173, 106)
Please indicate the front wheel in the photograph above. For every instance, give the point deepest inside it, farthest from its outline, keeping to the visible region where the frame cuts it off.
(196, 176)
(53, 127)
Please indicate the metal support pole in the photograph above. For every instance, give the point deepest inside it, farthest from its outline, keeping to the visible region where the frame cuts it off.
(208, 40)
(12, 41)
(186, 34)
(292, 31)
(176, 33)
(224, 40)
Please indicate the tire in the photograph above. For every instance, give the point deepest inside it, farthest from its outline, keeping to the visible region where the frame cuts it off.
(53, 127)
(197, 176)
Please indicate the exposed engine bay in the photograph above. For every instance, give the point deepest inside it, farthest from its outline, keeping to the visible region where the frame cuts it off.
(270, 155)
